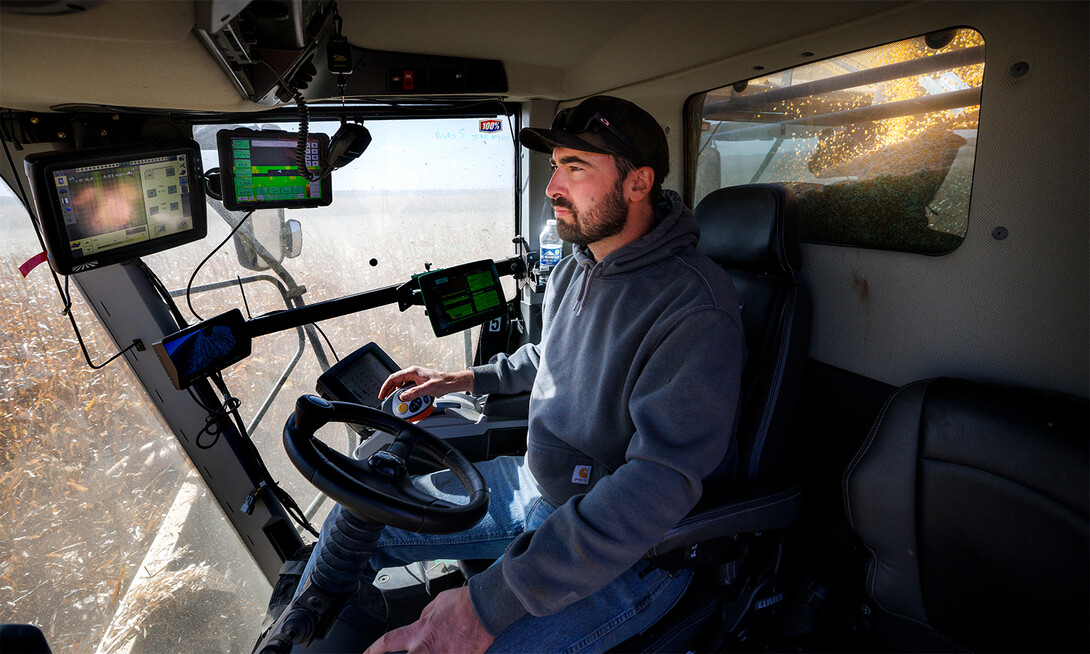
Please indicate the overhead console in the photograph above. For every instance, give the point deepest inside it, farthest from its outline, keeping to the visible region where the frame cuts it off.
(398, 73)
(271, 49)
(105, 205)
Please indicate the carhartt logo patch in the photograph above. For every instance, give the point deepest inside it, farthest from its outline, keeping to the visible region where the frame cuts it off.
(581, 475)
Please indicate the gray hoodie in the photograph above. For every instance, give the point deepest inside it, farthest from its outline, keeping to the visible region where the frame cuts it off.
(634, 390)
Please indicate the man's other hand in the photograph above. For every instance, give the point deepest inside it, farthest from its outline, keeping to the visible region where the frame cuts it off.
(428, 382)
(448, 624)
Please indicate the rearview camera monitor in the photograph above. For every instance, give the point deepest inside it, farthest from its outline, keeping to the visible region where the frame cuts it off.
(105, 205)
(203, 349)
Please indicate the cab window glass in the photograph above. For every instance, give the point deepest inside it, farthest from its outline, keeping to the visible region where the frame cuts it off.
(94, 488)
(426, 192)
(877, 145)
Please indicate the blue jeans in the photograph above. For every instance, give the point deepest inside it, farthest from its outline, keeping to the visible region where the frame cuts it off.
(626, 607)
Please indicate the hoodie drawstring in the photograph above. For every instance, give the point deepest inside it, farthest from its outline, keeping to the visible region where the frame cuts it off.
(584, 287)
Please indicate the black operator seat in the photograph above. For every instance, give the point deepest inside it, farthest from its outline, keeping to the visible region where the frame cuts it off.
(972, 501)
(752, 232)
(732, 535)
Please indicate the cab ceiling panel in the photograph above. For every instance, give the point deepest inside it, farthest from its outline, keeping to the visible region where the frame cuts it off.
(127, 54)
(192, 55)
(675, 37)
(563, 49)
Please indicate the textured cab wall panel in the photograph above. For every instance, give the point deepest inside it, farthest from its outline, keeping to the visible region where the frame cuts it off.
(149, 44)
(1015, 310)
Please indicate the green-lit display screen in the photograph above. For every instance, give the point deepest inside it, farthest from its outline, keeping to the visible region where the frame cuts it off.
(258, 170)
(462, 297)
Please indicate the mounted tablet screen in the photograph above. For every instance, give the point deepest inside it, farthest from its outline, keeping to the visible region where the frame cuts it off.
(106, 205)
(200, 350)
(358, 377)
(462, 297)
(258, 170)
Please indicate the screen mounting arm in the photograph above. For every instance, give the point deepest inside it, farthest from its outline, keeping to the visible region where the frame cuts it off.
(400, 294)
(211, 345)
(404, 295)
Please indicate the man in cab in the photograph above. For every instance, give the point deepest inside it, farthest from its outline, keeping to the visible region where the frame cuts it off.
(633, 393)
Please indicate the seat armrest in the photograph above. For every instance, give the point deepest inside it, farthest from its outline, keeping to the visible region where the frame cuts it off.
(507, 406)
(736, 506)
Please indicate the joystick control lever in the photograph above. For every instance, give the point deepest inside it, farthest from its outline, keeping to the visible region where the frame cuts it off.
(411, 410)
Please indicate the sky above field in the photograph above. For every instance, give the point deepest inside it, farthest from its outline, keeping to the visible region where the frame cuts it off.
(447, 154)
(419, 155)
(424, 155)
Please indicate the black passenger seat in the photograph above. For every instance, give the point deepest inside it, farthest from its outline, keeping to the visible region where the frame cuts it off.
(972, 500)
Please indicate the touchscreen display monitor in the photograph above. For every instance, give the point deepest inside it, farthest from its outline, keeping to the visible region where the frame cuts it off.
(259, 170)
(102, 206)
(463, 296)
(200, 350)
(358, 377)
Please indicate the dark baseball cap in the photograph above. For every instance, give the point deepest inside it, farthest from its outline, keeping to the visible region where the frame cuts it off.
(606, 125)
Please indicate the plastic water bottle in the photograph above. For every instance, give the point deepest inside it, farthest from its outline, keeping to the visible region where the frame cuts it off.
(551, 249)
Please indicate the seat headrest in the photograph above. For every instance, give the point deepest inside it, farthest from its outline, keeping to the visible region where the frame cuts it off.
(751, 227)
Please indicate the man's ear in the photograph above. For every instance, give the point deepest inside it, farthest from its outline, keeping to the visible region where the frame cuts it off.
(640, 182)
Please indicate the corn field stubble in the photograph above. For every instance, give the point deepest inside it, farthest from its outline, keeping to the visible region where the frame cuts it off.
(87, 471)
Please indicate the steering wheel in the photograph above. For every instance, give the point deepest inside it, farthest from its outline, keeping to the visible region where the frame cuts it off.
(380, 488)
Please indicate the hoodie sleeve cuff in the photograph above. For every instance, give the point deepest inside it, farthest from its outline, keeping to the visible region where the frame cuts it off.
(495, 604)
(481, 376)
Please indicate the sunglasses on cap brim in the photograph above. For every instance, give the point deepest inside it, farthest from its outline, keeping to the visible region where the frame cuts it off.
(568, 120)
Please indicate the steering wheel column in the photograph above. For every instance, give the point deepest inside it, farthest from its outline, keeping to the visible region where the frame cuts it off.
(373, 494)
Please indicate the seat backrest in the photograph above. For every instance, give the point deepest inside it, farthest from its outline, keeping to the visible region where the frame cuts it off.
(752, 232)
(972, 500)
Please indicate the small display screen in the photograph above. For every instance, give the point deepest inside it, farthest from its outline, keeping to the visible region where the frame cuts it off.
(106, 205)
(200, 350)
(113, 205)
(462, 297)
(259, 170)
(358, 377)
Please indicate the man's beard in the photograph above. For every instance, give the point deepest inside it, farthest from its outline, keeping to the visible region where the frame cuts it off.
(605, 219)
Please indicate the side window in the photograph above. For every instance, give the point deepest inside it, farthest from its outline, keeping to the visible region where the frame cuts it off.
(877, 145)
(93, 489)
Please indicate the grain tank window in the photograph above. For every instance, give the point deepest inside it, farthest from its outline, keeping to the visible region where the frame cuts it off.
(878, 145)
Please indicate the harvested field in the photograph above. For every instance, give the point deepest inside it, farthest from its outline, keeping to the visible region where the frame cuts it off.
(88, 472)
